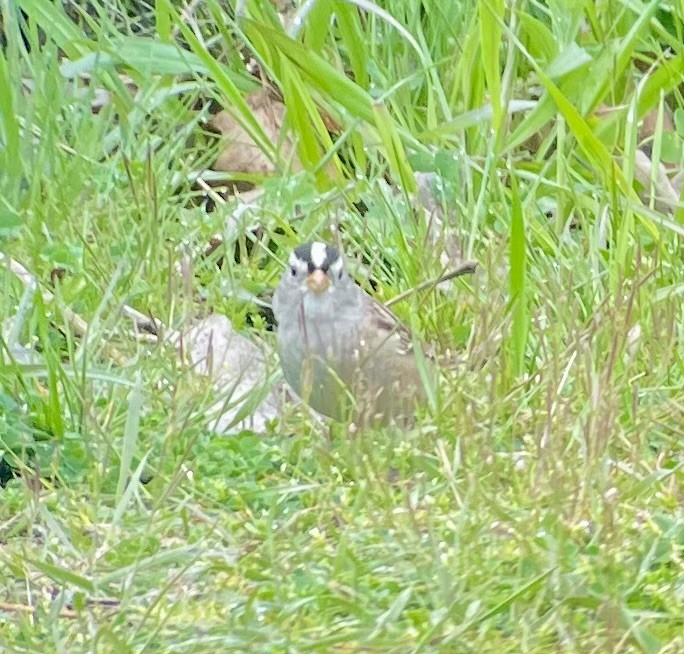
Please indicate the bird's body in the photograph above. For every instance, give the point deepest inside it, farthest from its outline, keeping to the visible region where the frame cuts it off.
(344, 354)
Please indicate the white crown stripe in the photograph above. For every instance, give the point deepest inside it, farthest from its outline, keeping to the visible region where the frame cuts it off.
(319, 254)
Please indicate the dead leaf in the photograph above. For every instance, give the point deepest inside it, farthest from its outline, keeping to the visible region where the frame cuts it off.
(241, 154)
(667, 178)
(666, 196)
(648, 126)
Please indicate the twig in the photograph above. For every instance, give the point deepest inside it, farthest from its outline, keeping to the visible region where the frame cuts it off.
(78, 324)
(68, 612)
(148, 323)
(468, 268)
(26, 608)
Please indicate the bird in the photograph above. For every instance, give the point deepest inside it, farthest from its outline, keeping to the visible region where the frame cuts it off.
(345, 354)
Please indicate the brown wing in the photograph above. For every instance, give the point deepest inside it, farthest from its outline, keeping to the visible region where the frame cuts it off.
(381, 319)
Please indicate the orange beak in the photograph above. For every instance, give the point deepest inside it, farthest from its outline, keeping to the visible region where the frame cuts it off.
(318, 282)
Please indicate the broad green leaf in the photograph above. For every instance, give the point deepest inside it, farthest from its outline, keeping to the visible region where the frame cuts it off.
(91, 62)
(10, 222)
(540, 41)
(162, 23)
(571, 58)
(151, 57)
(679, 121)
(647, 641)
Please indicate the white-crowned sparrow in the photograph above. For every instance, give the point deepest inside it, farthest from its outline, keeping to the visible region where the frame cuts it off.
(343, 353)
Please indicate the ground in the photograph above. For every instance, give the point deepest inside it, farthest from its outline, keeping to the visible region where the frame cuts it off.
(537, 504)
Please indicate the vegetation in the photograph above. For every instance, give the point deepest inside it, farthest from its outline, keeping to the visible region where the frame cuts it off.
(536, 507)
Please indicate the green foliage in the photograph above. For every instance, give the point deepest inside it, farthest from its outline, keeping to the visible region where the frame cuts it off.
(536, 507)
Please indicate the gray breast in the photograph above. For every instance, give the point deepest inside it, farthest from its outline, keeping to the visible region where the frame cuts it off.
(318, 343)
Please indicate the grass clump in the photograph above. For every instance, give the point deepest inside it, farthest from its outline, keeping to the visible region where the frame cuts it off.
(537, 508)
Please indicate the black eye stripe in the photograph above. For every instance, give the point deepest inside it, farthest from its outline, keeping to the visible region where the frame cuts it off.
(303, 253)
(333, 255)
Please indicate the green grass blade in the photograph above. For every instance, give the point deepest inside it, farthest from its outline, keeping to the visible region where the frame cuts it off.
(491, 16)
(10, 156)
(614, 61)
(665, 77)
(306, 122)
(394, 149)
(131, 486)
(539, 40)
(162, 23)
(517, 278)
(597, 153)
(59, 28)
(130, 436)
(54, 410)
(62, 576)
(318, 24)
(221, 76)
(325, 78)
(352, 36)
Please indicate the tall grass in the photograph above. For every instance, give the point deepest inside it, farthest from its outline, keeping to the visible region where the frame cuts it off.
(537, 505)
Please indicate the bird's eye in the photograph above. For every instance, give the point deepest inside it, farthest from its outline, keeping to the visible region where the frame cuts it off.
(293, 271)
